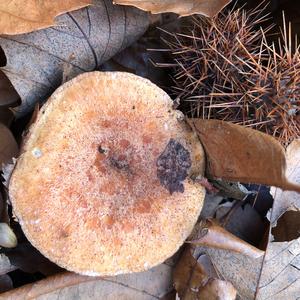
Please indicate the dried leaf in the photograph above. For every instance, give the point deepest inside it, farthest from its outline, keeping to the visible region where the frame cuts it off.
(8, 95)
(247, 155)
(244, 222)
(148, 285)
(280, 274)
(241, 270)
(82, 40)
(208, 233)
(184, 8)
(27, 15)
(216, 289)
(197, 279)
(6, 116)
(8, 145)
(284, 200)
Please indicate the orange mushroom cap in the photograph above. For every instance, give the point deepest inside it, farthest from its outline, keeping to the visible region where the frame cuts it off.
(105, 182)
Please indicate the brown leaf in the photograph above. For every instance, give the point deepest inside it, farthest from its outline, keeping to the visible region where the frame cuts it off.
(197, 279)
(37, 62)
(216, 289)
(184, 8)
(6, 116)
(8, 145)
(236, 153)
(280, 274)
(284, 200)
(8, 95)
(241, 270)
(27, 15)
(208, 233)
(148, 285)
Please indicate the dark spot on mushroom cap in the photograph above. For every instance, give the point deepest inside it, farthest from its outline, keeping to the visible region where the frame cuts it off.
(172, 166)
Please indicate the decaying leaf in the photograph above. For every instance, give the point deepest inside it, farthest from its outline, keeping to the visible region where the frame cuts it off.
(196, 278)
(152, 284)
(280, 274)
(24, 16)
(247, 155)
(8, 145)
(83, 39)
(209, 233)
(244, 222)
(241, 270)
(284, 200)
(8, 95)
(184, 8)
(6, 116)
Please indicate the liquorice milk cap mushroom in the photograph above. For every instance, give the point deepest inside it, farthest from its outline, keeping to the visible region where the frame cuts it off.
(105, 182)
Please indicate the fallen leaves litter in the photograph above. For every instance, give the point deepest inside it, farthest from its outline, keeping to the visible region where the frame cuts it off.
(8, 95)
(27, 15)
(197, 279)
(149, 285)
(280, 273)
(8, 145)
(247, 155)
(207, 8)
(80, 42)
(209, 233)
(6, 116)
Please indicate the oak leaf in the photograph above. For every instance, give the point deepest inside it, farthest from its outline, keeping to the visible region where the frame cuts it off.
(184, 8)
(36, 62)
(195, 278)
(148, 285)
(27, 15)
(280, 273)
(236, 153)
(8, 145)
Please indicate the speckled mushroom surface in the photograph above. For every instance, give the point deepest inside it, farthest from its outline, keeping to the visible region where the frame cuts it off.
(105, 182)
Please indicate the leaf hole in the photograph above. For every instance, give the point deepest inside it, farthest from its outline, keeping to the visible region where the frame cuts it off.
(288, 227)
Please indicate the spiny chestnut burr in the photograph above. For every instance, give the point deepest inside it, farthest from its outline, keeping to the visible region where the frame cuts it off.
(224, 69)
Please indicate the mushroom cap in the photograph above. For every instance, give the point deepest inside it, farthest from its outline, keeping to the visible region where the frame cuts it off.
(104, 184)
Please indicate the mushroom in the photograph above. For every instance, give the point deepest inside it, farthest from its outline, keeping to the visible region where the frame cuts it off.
(105, 182)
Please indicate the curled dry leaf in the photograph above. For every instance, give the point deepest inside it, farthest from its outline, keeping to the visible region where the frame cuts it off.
(8, 95)
(184, 8)
(208, 233)
(241, 270)
(247, 155)
(27, 15)
(6, 116)
(81, 40)
(197, 279)
(149, 285)
(280, 273)
(8, 145)
(284, 200)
